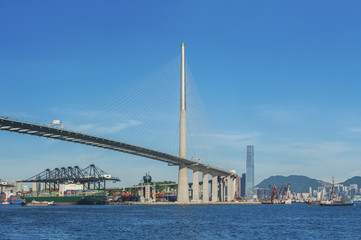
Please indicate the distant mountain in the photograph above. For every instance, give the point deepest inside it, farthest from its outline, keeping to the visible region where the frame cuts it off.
(299, 184)
(353, 180)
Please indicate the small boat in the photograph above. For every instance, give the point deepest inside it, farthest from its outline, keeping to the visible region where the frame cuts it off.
(313, 202)
(266, 201)
(335, 202)
(16, 201)
(276, 201)
(38, 204)
(287, 201)
(5, 203)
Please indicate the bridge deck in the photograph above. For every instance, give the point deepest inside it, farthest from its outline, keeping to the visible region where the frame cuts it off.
(71, 136)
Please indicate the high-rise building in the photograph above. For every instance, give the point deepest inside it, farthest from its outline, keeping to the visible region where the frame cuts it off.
(35, 186)
(18, 186)
(243, 185)
(250, 171)
(238, 186)
(26, 188)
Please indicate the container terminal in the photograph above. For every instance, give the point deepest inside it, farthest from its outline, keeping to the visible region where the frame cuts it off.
(77, 186)
(74, 186)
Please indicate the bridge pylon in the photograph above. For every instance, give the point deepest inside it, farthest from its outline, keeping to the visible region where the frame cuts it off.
(183, 195)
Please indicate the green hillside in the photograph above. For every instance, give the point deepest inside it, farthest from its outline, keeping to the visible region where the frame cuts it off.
(353, 180)
(299, 184)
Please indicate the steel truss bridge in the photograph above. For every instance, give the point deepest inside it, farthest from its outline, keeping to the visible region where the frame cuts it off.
(71, 136)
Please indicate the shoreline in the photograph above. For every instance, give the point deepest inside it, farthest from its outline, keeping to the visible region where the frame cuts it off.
(190, 203)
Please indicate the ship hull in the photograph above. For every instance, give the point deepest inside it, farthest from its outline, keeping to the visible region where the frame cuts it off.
(336, 204)
(69, 200)
(16, 202)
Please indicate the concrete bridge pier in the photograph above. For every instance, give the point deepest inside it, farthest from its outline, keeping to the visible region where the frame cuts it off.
(233, 187)
(215, 188)
(195, 186)
(183, 195)
(230, 188)
(222, 188)
(205, 187)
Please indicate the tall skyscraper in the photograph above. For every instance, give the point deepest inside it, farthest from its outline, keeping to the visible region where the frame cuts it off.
(250, 171)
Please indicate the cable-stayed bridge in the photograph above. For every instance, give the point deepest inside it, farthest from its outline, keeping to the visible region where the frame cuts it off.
(220, 177)
(70, 136)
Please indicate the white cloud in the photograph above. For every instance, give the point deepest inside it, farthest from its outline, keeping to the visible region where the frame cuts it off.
(109, 129)
(354, 130)
(21, 116)
(282, 114)
(94, 121)
(232, 140)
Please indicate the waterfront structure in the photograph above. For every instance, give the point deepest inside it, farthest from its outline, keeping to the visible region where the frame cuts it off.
(146, 190)
(250, 171)
(243, 185)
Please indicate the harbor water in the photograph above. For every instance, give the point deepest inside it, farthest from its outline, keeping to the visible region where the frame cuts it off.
(296, 221)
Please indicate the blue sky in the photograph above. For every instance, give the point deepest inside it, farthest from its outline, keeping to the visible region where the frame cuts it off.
(283, 76)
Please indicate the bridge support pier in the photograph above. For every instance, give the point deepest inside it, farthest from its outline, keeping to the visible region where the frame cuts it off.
(205, 187)
(222, 189)
(214, 188)
(230, 188)
(233, 187)
(195, 186)
(183, 195)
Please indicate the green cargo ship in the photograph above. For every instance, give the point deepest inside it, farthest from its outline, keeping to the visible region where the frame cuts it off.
(68, 198)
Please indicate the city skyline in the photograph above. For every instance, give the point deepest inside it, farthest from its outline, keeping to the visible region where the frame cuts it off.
(285, 76)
